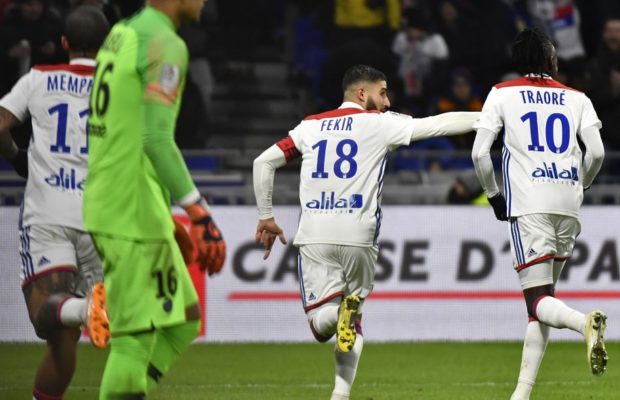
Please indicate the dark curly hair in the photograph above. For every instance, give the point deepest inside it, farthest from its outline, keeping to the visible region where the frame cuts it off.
(531, 50)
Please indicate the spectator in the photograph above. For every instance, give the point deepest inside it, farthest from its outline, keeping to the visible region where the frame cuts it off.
(603, 83)
(457, 30)
(497, 24)
(375, 19)
(420, 51)
(192, 130)
(4, 7)
(466, 189)
(29, 35)
(461, 97)
(561, 20)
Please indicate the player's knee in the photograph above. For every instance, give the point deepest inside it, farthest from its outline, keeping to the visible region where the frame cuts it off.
(321, 338)
(534, 295)
(45, 319)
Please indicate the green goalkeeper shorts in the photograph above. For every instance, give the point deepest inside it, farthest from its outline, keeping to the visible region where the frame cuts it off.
(147, 283)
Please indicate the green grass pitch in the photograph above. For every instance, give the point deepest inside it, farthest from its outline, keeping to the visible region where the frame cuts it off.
(425, 371)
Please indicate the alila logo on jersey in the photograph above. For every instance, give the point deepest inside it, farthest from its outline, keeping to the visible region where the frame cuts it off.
(328, 201)
(65, 180)
(552, 172)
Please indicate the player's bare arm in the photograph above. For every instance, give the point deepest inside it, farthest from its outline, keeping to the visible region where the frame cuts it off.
(8, 148)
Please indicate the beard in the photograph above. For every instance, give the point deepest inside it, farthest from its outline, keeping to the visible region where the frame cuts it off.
(371, 106)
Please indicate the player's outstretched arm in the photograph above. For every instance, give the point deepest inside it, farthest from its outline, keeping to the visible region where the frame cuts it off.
(8, 149)
(446, 124)
(595, 153)
(481, 156)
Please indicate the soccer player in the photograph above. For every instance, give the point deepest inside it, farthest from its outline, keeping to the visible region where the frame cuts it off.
(343, 152)
(59, 261)
(545, 176)
(134, 168)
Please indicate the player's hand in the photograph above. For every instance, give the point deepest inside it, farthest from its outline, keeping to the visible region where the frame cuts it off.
(184, 242)
(498, 202)
(20, 163)
(266, 233)
(208, 239)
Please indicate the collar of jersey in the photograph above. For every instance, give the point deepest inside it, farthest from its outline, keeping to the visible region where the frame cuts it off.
(544, 76)
(83, 61)
(350, 104)
(163, 17)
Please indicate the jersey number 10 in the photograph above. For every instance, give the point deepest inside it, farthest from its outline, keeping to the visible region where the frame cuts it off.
(549, 132)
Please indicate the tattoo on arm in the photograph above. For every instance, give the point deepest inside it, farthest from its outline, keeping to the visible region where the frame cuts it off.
(7, 119)
(8, 148)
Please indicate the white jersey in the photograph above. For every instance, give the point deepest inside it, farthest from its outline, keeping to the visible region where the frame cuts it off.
(56, 98)
(542, 162)
(344, 152)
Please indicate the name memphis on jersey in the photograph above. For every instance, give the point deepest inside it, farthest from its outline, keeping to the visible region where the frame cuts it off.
(68, 83)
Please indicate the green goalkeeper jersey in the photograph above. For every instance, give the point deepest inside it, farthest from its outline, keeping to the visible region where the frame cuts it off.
(134, 165)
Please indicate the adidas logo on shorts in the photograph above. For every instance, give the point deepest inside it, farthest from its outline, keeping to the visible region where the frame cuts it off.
(43, 261)
(531, 253)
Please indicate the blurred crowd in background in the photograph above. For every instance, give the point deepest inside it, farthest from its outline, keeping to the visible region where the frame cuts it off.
(439, 55)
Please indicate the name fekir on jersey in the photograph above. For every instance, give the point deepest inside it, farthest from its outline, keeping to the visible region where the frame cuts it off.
(344, 152)
(56, 98)
(541, 159)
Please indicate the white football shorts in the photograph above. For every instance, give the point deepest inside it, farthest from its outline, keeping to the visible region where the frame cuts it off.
(46, 248)
(538, 238)
(328, 271)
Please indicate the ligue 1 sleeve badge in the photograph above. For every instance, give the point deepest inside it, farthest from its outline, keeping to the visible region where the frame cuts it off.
(169, 78)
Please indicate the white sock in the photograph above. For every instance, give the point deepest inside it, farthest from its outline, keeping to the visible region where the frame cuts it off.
(555, 313)
(346, 367)
(534, 344)
(73, 312)
(326, 319)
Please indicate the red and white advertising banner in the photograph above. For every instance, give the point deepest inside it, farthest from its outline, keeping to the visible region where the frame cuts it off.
(444, 273)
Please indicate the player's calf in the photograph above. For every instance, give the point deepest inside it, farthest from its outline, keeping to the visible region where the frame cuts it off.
(533, 295)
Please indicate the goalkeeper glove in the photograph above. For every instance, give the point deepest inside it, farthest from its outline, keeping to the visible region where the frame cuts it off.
(207, 237)
(20, 163)
(498, 202)
(184, 241)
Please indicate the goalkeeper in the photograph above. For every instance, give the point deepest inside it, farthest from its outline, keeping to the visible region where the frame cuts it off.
(134, 168)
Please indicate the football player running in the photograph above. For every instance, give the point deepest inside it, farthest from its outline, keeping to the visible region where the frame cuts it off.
(544, 176)
(59, 262)
(344, 153)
